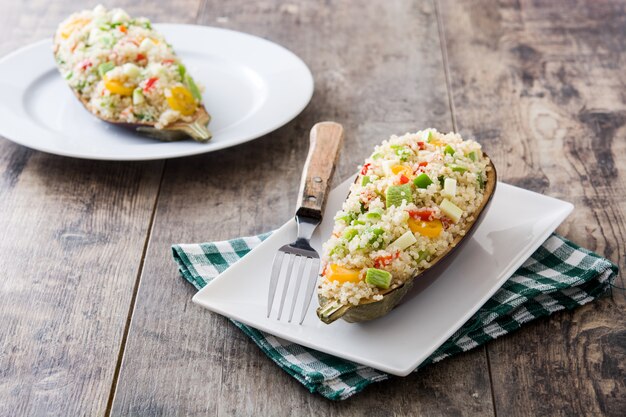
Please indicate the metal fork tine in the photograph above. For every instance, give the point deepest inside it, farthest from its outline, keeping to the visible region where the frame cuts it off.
(325, 142)
(299, 277)
(290, 258)
(278, 263)
(315, 268)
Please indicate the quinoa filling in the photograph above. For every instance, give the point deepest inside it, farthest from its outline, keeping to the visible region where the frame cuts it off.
(123, 70)
(413, 196)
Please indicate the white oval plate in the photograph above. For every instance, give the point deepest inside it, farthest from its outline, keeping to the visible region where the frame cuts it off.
(252, 87)
(440, 302)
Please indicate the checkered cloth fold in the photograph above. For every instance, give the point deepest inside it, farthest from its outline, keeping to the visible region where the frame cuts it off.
(559, 275)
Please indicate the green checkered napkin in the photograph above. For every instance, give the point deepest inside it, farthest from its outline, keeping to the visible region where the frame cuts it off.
(559, 275)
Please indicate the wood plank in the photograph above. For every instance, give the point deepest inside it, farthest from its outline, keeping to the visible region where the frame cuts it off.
(72, 234)
(541, 85)
(378, 70)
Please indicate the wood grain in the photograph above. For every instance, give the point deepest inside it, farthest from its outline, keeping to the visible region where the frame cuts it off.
(181, 359)
(72, 238)
(326, 140)
(540, 84)
(72, 235)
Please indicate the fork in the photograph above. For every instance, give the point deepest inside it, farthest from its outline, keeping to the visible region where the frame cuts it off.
(326, 139)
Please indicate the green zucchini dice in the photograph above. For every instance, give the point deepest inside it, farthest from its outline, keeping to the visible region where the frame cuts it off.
(422, 181)
(457, 168)
(378, 277)
(480, 180)
(372, 215)
(422, 255)
(105, 67)
(195, 91)
(349, 233)
(376, 233)
(397, 193)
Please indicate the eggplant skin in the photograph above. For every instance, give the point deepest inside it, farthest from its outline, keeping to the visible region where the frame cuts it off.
(370, 310)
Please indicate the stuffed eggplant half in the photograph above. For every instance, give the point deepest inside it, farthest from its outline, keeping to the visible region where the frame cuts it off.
(125, 73)
(416, 198)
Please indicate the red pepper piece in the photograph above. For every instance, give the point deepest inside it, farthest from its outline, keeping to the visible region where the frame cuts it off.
(150, 83)
(365, 168)
(421, 166)
(421, 214)
(85, 64)
(385, 260)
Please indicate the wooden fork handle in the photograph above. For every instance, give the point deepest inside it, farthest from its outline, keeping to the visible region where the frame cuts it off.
(326, 139)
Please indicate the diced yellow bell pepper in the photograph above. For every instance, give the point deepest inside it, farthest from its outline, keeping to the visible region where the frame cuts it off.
(401, 169)
(181, 100)
(341, 274)
(117, 87)
(431, 228)
(435, 142)
(139, 39)
(71, 26)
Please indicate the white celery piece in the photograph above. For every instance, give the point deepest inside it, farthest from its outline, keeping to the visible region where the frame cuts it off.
(451, 210)
(130, 70)
(449, 187)
(387, 167)
(403, 242)
(138, 97)
(373, 215)
(146, 44)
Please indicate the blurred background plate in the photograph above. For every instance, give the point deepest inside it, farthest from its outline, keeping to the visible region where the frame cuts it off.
(252, 87)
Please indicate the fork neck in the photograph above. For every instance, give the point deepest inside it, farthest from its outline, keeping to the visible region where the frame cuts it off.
(306, 227)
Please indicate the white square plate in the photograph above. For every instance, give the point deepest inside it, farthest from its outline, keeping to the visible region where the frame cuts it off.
(516, 224)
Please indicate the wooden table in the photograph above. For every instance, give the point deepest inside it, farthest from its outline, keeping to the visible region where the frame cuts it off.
(94, 319)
